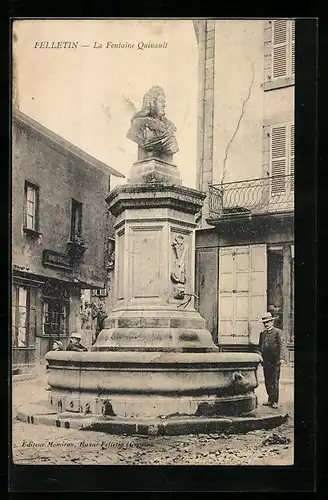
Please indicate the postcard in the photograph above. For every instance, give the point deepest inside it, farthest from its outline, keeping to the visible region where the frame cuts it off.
(153, 242)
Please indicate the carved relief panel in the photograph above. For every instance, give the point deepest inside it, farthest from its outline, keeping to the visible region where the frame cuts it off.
(180, 246)
(146, 262)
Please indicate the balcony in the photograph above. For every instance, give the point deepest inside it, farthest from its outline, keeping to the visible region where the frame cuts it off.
(269, 195)
(76, 248)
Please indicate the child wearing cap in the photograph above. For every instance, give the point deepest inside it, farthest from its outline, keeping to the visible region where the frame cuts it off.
(56, 346)
(74, 343)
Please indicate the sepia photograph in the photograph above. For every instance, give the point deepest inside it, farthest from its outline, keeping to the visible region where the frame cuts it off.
(152, 217)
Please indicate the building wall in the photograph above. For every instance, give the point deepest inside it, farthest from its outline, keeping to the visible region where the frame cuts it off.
(279, 232)
(60, 178)
(208, 243)
(238, 102)
(235, 102)
(206, 70)
(238, 107)
(278, 105)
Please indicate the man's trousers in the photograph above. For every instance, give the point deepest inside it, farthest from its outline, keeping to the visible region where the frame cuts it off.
(271, 372)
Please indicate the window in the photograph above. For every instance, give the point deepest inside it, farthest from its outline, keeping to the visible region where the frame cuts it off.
(279, 52)
(282, 158)
(99, 292)
(55, 318)
(283, 48)
(24, 316)
(31, 207)
(76, 222)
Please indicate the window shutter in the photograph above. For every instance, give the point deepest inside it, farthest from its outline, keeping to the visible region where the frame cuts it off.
(45, 318)
(293, 46)
(267, 51)
(291, 167)
(279, 49)
(14, 316)
(278, 159)
(258, 290)
(226, 296)
(22, 319)
(32, 317)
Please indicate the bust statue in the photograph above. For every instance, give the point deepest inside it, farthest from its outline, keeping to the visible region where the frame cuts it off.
(150, 128)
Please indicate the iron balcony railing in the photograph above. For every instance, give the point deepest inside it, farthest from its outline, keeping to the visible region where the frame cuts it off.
(254, 196)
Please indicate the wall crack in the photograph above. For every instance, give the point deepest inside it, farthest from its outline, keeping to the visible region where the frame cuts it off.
(242, 113)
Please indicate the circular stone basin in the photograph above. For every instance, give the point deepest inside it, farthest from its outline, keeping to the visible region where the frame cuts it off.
(153, 384)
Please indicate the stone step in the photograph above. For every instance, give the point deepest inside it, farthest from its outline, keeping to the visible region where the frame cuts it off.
(156, 427)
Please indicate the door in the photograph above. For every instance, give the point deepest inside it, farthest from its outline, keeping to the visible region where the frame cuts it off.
(207, 261)
(242, 293)
(257, 291)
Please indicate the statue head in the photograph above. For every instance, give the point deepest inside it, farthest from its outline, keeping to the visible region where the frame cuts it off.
(151, 129)
(153, 103)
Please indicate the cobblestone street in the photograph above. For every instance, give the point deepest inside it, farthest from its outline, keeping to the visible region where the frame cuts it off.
(41, 444)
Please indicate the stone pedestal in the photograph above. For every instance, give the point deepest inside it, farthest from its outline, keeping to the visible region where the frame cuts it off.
(155, 357)
(154, 170)
(154, 271)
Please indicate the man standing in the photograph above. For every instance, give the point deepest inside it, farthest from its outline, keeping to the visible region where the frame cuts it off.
(74, 343)
(272, 348)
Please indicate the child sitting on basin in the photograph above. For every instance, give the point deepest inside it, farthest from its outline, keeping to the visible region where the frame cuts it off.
(56, 346)
(74, 343)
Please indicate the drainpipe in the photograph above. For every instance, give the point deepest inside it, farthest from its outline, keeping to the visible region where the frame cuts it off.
(201, 102)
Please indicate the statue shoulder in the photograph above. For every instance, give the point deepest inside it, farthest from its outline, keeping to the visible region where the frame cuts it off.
(170, 125)
(143, 121)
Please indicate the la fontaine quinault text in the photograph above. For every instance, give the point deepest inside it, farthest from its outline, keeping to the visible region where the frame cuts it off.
(141, 45)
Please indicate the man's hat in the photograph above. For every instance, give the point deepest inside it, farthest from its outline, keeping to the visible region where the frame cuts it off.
(59, 342)
(267, 317)
(76, 335)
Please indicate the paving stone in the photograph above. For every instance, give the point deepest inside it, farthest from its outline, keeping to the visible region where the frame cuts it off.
(243, 449)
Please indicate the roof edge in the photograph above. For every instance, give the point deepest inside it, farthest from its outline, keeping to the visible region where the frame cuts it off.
(18, 115)
(196, 29)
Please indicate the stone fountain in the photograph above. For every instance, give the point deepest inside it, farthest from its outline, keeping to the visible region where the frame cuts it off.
(154, 367)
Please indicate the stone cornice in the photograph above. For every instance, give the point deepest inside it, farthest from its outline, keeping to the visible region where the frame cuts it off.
(155, 195)
(269, 218)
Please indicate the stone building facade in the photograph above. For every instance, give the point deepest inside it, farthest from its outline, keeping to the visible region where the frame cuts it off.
(245, 165)
(59, 236)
